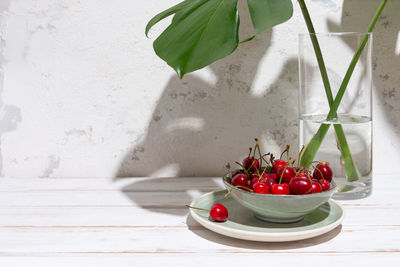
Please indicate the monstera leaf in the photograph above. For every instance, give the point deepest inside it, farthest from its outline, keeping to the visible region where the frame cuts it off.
(204, 31)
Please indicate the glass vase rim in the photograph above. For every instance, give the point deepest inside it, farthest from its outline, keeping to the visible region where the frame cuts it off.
(335, 34)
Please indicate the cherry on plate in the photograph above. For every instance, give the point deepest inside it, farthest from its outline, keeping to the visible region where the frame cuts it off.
(218, 213)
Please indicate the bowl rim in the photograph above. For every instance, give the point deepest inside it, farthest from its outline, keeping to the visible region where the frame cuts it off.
(331, 190)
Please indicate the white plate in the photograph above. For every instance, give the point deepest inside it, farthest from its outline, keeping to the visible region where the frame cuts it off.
(243, 224)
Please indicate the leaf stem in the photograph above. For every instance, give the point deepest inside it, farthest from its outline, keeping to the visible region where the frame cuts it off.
(343, 86)
(309, 152)
(312, 147)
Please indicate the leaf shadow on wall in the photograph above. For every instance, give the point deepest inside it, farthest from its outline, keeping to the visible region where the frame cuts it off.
(202, 127)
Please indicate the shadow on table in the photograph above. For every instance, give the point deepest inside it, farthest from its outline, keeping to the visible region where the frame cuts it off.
(232, 242)
(177, 189)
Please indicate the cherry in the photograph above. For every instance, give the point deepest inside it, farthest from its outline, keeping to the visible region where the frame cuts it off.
(219, 213)
(316, 186)
(266, 176)
(251, 164)
(301, 175)
(255, 180)
(269, 182)
(323, 171)
(300, 186)
(325, 184)
(286, 173)
(237, 172)
(280, 189)
(240, 179)
(278, 164)
(273, 176)
(261, 188)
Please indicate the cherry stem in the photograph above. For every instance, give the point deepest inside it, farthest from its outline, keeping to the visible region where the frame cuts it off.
(196, 208)
(246, 171)
(236, 186)
(315, 168)
(299, 171)
(259, 152)
(286, 151)
(266, 161)
(272, 158)
(250, 149)
(280, 180)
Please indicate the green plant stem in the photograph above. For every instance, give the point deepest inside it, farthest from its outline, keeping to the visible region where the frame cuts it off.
(312, 147)
(317, 50)
(343, 86)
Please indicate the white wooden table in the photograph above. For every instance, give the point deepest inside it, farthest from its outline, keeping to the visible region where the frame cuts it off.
(143, 222)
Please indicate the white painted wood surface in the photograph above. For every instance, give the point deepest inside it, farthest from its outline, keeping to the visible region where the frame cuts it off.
(143, 222)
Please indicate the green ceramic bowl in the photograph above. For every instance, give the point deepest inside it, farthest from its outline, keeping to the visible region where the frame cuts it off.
(279, 208)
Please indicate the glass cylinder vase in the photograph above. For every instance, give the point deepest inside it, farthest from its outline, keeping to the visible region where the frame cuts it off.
(344, 139)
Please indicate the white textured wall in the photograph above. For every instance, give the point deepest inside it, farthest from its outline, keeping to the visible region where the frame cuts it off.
(83, 94)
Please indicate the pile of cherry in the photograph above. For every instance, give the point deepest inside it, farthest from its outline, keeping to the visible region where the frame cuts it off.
(280, 177)
(277, 176)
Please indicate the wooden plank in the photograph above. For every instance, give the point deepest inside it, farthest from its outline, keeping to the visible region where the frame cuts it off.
(100, 184)
(141, 192)
(141, 217)
(65, 241)
(135, 216)
(209, 259)
(141, 199)
(381, 183)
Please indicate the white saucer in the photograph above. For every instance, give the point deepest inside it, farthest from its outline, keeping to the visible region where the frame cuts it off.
(242, 223)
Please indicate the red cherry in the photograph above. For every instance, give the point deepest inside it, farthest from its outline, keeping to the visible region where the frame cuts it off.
(280, 189)
(240, 179)
(323, 171)
(301, 175)
(237, 172)
(266, 176)
(255, 180)
(300, 186)
(325, 184)
(269, 182)
(316, 186)
(278, 164)
(218, 213)
(273, 176)
(251, 164)
(286, 173)
(261, 188)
